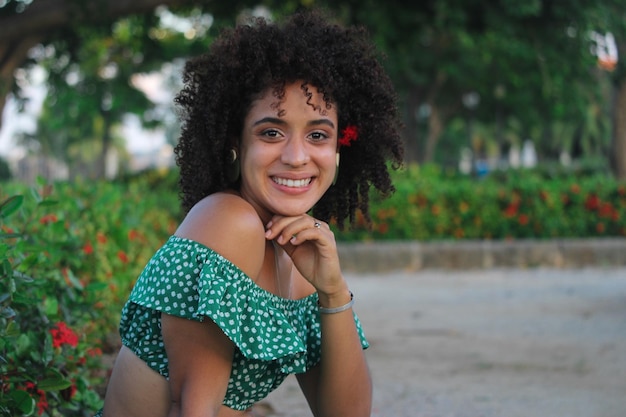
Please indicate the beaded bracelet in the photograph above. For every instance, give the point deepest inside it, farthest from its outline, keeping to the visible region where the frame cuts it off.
(324, 310)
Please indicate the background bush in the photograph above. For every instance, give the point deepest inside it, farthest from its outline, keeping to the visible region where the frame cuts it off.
(70, 254)
(430, 204)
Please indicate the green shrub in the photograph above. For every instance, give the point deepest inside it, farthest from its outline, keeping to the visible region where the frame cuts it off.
(430, 204)
(69, 255)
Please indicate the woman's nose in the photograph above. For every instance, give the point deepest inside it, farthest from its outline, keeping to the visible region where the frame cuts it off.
(295, 152)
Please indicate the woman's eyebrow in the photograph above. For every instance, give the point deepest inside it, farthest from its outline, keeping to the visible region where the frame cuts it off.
(273, 120)
(321, 122)
(278, 121)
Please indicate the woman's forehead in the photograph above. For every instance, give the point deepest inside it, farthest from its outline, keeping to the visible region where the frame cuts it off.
(294, 94)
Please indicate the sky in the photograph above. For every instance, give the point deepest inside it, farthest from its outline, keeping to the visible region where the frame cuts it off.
(138, 140)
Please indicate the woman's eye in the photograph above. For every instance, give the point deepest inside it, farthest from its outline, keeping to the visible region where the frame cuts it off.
(270, 133)
(318, 136)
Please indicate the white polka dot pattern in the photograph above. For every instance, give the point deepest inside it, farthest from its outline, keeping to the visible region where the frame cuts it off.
(273, 336)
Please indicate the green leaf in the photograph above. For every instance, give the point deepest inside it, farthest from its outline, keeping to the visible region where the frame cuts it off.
(24, 402)
(12, 330)
(7, 312)
(51, 306)
(24, 299)
(4, 248)
(22, 344)
(96, 286)
(48, 203)
(11, 205)
(22, 277)
(55, 382)
(36, 195)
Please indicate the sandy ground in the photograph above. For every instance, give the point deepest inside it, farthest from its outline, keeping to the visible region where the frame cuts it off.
(494, 343)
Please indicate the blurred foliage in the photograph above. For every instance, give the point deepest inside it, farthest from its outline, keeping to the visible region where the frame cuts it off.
(432, 203)
(5, 170)
(483, 75)
(69, 255)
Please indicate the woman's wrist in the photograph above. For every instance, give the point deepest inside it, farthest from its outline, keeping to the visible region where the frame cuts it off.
(339, 309)
(329, 302)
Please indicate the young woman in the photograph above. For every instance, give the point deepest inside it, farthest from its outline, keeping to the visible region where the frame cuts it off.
(285, 128)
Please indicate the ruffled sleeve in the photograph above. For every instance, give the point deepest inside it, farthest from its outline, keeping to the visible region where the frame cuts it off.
(250, 316)
(189, 280)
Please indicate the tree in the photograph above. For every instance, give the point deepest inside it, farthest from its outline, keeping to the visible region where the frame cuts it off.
(26, 24)
(527, 62)
(91, 52)
(610, 17)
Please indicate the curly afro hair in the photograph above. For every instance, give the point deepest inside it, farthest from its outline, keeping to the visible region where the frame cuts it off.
(243, 62)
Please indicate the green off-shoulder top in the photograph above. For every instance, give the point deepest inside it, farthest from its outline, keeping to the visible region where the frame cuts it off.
(273, 336)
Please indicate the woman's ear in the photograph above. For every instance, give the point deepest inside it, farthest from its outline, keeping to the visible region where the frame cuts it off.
(233, 165)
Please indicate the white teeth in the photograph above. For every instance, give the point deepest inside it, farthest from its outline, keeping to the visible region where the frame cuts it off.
(292, 183)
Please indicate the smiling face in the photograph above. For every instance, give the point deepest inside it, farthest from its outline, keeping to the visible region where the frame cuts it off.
(287, 152)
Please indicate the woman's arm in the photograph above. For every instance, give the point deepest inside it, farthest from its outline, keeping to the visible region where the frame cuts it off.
(200, 354)
(340, 385)
(200, 358)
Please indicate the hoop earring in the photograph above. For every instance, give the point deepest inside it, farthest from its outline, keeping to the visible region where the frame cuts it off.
(233, 167)
(337, 168)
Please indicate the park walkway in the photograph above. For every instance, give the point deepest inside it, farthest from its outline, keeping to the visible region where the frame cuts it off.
(533, 341)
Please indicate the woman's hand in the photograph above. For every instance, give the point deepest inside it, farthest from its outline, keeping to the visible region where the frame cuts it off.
(311, 246)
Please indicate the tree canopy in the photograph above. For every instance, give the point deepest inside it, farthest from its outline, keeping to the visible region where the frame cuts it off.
(508, 70)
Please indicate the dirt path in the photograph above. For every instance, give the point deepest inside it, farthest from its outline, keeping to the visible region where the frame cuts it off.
(495, 343)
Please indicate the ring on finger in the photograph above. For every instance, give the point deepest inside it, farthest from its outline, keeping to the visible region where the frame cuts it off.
(317, 224)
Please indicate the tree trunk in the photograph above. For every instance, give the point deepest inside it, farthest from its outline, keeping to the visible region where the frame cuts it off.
(106, 145)
(12, 55)
(411, 127)
(435, 128)
(618, 145)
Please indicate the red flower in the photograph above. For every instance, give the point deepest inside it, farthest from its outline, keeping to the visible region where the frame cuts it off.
(48, 218)
(511, 210)
(592, 202)
(605, 210)
(42, 403)
(523, 219)
(94, 352)
(600, 228)
(101, 238)
(87, 249)
(63, 335)
(122, 256)
(68, 392)
(133, 235)
(349, 134)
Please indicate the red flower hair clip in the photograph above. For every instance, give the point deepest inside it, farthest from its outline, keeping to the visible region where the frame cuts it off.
(349, 135)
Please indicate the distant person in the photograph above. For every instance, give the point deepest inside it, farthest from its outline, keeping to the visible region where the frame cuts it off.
(249, 289)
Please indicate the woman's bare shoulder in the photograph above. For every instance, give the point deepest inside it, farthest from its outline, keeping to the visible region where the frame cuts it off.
(230, 226)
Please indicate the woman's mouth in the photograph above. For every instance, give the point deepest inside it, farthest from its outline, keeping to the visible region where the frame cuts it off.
(292, 183)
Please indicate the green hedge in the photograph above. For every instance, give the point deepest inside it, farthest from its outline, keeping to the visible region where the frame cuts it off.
(431, 205)
(69, 255)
